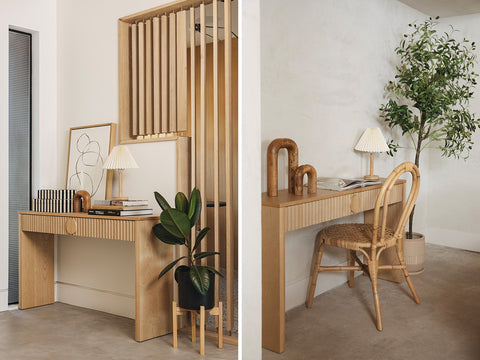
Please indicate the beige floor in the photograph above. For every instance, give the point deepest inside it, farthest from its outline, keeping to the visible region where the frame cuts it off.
(340, 325)
(446, 325)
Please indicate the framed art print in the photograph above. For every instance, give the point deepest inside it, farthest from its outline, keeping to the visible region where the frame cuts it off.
(88, 148)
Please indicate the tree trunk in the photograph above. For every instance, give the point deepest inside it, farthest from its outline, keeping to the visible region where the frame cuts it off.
(417, 163)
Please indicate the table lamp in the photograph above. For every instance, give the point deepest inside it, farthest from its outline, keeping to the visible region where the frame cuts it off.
(120, 159)
(372, 141)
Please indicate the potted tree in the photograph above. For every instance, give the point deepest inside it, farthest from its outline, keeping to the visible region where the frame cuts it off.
(429, 97)
(196, 283)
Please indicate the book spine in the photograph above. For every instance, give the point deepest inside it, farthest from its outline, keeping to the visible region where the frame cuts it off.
(104, 212)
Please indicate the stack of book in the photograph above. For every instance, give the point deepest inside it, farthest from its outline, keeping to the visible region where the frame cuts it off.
(120, 208)
(54, 201)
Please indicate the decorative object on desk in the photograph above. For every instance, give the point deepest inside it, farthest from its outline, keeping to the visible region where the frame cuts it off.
(371, 240)
(56, 201)
(88, 148)
(272, 164)
(120, 212)
(372, 141)
(440, 117)
(120, 159)
(81, 201)
(195, 282)
(312, 179)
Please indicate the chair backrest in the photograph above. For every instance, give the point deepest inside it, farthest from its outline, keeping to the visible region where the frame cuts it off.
(381, 205)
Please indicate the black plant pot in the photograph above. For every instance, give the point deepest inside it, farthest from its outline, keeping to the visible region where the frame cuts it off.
(189, 297)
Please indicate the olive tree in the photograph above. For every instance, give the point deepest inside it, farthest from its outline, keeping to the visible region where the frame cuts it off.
(429, 97)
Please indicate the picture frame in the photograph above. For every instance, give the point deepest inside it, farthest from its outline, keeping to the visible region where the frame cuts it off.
(88, 148)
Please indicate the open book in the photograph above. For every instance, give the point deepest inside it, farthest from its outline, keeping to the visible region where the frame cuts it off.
(339, 184)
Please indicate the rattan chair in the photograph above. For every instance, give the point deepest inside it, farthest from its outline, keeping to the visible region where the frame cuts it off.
(370, 240)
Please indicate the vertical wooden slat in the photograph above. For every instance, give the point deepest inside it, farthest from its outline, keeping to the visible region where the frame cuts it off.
(148, 78)
(164, 75)
(141, 78)
(203, 164)
(182, 71)
(228, 160)
(134, 71)
(172, 44)
(156, 75)
(216, 188)
(193, 105)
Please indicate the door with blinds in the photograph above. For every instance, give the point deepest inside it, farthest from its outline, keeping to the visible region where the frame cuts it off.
(19, 147)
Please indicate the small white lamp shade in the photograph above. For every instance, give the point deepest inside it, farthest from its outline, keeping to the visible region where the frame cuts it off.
(120, 158)
(372, 141)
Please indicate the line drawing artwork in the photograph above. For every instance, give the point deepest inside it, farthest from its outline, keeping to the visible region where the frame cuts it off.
(88, 149)
(88, 173)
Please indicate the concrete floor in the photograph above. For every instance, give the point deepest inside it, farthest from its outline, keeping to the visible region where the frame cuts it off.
(67, 332)
(446, 325)
(340, 325)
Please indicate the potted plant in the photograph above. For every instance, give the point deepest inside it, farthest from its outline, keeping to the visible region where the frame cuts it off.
(429, 98)
(196, 283)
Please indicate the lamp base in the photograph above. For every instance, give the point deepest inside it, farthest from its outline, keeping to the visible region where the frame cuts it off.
(371, 177)
(120, 198)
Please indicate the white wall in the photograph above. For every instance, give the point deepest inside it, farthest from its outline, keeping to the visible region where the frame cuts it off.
(97, 273)
(38, 18)
(453, 192)
(324, 66)
(250, 244)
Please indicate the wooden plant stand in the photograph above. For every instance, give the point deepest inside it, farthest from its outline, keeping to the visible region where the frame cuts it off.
(216, 311)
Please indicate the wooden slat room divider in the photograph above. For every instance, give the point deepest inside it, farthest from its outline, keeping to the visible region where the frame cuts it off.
(178, 82)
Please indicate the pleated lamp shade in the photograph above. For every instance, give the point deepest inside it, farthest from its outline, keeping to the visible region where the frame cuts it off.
(120, 158)
(372, 141)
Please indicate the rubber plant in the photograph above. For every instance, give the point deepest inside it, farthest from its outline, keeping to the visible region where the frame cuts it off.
(429, 97)
(175, 229)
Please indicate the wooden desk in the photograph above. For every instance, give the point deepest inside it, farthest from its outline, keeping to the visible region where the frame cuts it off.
(288, 212)
(153, 297)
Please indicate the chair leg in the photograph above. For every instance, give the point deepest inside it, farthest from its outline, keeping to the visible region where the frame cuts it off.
(373, 269)
(351, 262)
(407, 277)
(317, 258)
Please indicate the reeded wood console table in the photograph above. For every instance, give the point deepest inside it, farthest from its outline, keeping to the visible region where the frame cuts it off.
(288, 212)
(153, 298)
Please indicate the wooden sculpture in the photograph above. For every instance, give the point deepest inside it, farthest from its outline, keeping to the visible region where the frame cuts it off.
(77, 201)
(272, 164)
(312, 179)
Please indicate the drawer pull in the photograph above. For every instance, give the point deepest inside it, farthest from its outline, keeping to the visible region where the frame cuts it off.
(71, 226)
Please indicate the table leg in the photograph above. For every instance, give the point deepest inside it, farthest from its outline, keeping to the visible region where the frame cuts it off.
(153, 297)
(273, 279)
(37, 269)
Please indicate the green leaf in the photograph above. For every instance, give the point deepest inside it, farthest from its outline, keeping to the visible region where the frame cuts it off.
(195, 207)
(205, 254)
(169, 266)
(201, 234)
(175, 222)
(181, 202)
(161, 201)
(163, 235)
(178, 269)
(200, 279)
(192, 203)
(209, 268)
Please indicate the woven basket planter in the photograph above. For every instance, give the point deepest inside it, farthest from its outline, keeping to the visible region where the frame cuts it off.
(414, 253)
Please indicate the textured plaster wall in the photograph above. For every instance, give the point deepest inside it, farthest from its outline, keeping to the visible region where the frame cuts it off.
(324, 67)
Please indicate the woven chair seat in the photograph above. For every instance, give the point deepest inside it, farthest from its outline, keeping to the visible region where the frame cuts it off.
(355, 236)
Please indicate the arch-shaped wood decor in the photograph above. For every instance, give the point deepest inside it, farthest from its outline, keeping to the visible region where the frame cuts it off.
(272, 164)
(312, 179)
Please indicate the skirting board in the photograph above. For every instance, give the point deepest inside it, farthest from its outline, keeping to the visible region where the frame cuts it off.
(296, 293)
(3, 299)
(96, 299)
(454, 239)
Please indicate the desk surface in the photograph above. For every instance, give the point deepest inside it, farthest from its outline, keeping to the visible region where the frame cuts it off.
(285, 198)
(85, 215)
